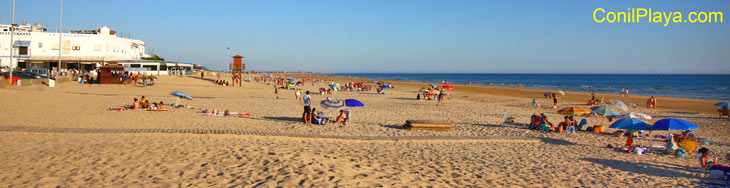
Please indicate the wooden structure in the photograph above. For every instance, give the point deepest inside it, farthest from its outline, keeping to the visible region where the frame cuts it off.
(111, 74)
(237, 68)
(428, 125)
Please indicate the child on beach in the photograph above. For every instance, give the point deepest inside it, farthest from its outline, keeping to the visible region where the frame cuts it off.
(276, 92)
(534, 103)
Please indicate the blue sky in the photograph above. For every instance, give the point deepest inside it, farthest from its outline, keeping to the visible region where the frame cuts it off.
(406, 36)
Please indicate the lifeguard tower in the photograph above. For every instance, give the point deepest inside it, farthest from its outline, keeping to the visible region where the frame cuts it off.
(237, 68)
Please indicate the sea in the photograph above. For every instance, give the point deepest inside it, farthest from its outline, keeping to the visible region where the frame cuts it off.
(702, 86)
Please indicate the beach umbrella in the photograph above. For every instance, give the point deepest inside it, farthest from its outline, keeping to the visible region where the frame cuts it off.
(674, 124)
(293, 80)
(631, 124)
(573, 111)
(619, 104)
(433, 85)
(353, 103)
(561, 92)
(604, 111)
(179, 95)
(424, 90)
(332, 103)
(723, 104)
(290, 85)
(386, 87)
(634, 115)
(448, 87)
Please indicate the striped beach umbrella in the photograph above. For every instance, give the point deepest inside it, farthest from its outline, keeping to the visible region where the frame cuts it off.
(332, 103)
(573, 111)
(604, 111)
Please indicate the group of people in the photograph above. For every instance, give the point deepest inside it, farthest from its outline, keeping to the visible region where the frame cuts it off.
(143, 103)
(537, 122)
(222, 83)
(310, 115)
(431, 94)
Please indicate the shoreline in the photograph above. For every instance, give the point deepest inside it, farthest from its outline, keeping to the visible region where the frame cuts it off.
(577, 98)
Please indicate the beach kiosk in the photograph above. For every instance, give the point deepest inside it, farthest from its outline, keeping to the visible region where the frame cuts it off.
(237, 67)
(111, 74)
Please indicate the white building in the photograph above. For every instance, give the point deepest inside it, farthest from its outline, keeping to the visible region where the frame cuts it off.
(34, 47)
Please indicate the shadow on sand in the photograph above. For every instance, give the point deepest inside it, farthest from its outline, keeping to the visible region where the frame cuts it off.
(290, 119)
(393, 126)
(555, 141)
(643, 168)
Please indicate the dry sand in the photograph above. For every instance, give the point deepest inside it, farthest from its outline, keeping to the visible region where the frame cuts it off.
(217, 160)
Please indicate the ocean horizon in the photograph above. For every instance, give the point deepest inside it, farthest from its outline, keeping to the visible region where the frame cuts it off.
(700, 86)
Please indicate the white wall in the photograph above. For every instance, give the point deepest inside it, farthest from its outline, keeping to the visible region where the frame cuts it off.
(109, 47)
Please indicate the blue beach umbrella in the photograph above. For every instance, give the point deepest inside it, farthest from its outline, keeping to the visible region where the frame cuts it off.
(353, 103)
(386, 86)
(674, 124)
(293, 79)
(723, 104)
(631, 124)
(181, 95)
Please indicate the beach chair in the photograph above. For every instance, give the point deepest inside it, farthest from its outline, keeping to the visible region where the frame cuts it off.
(582, 123)
(348, 114)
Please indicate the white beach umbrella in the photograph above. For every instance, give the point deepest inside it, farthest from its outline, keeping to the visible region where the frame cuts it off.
(634, 115)
(619, 104)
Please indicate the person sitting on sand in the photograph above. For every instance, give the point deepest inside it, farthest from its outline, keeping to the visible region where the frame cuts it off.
(707, 162)
(724, 111)
(342, 117)
(545, 120)
(136, 104)
(315, 118)
(162, 106)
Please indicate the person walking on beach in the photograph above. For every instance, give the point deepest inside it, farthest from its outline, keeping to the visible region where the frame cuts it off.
(555, 101)
(276, 92)
(306, 102)
(441, 97)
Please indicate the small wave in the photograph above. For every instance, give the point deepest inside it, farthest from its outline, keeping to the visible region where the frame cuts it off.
(721, 88)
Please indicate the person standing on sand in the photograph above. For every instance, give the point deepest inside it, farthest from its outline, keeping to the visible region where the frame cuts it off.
(441, 97)
(627, 92)
(306, 102)
(276, 92)
(555, 101)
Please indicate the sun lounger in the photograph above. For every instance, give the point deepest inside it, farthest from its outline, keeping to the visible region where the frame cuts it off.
(428, 125)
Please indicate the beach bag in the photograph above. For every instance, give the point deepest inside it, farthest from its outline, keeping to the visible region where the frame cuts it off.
(717, 175)
(681, 153)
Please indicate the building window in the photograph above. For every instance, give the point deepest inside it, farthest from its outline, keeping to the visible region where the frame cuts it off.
(76, 48)
(40, 45)
(22, 50)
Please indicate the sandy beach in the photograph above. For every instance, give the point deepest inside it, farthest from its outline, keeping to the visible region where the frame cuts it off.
(41, 151)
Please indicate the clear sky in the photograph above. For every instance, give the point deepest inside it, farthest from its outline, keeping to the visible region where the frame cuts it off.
(406, 36)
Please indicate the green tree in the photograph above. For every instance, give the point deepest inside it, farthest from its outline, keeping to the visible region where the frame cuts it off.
(154, 57)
